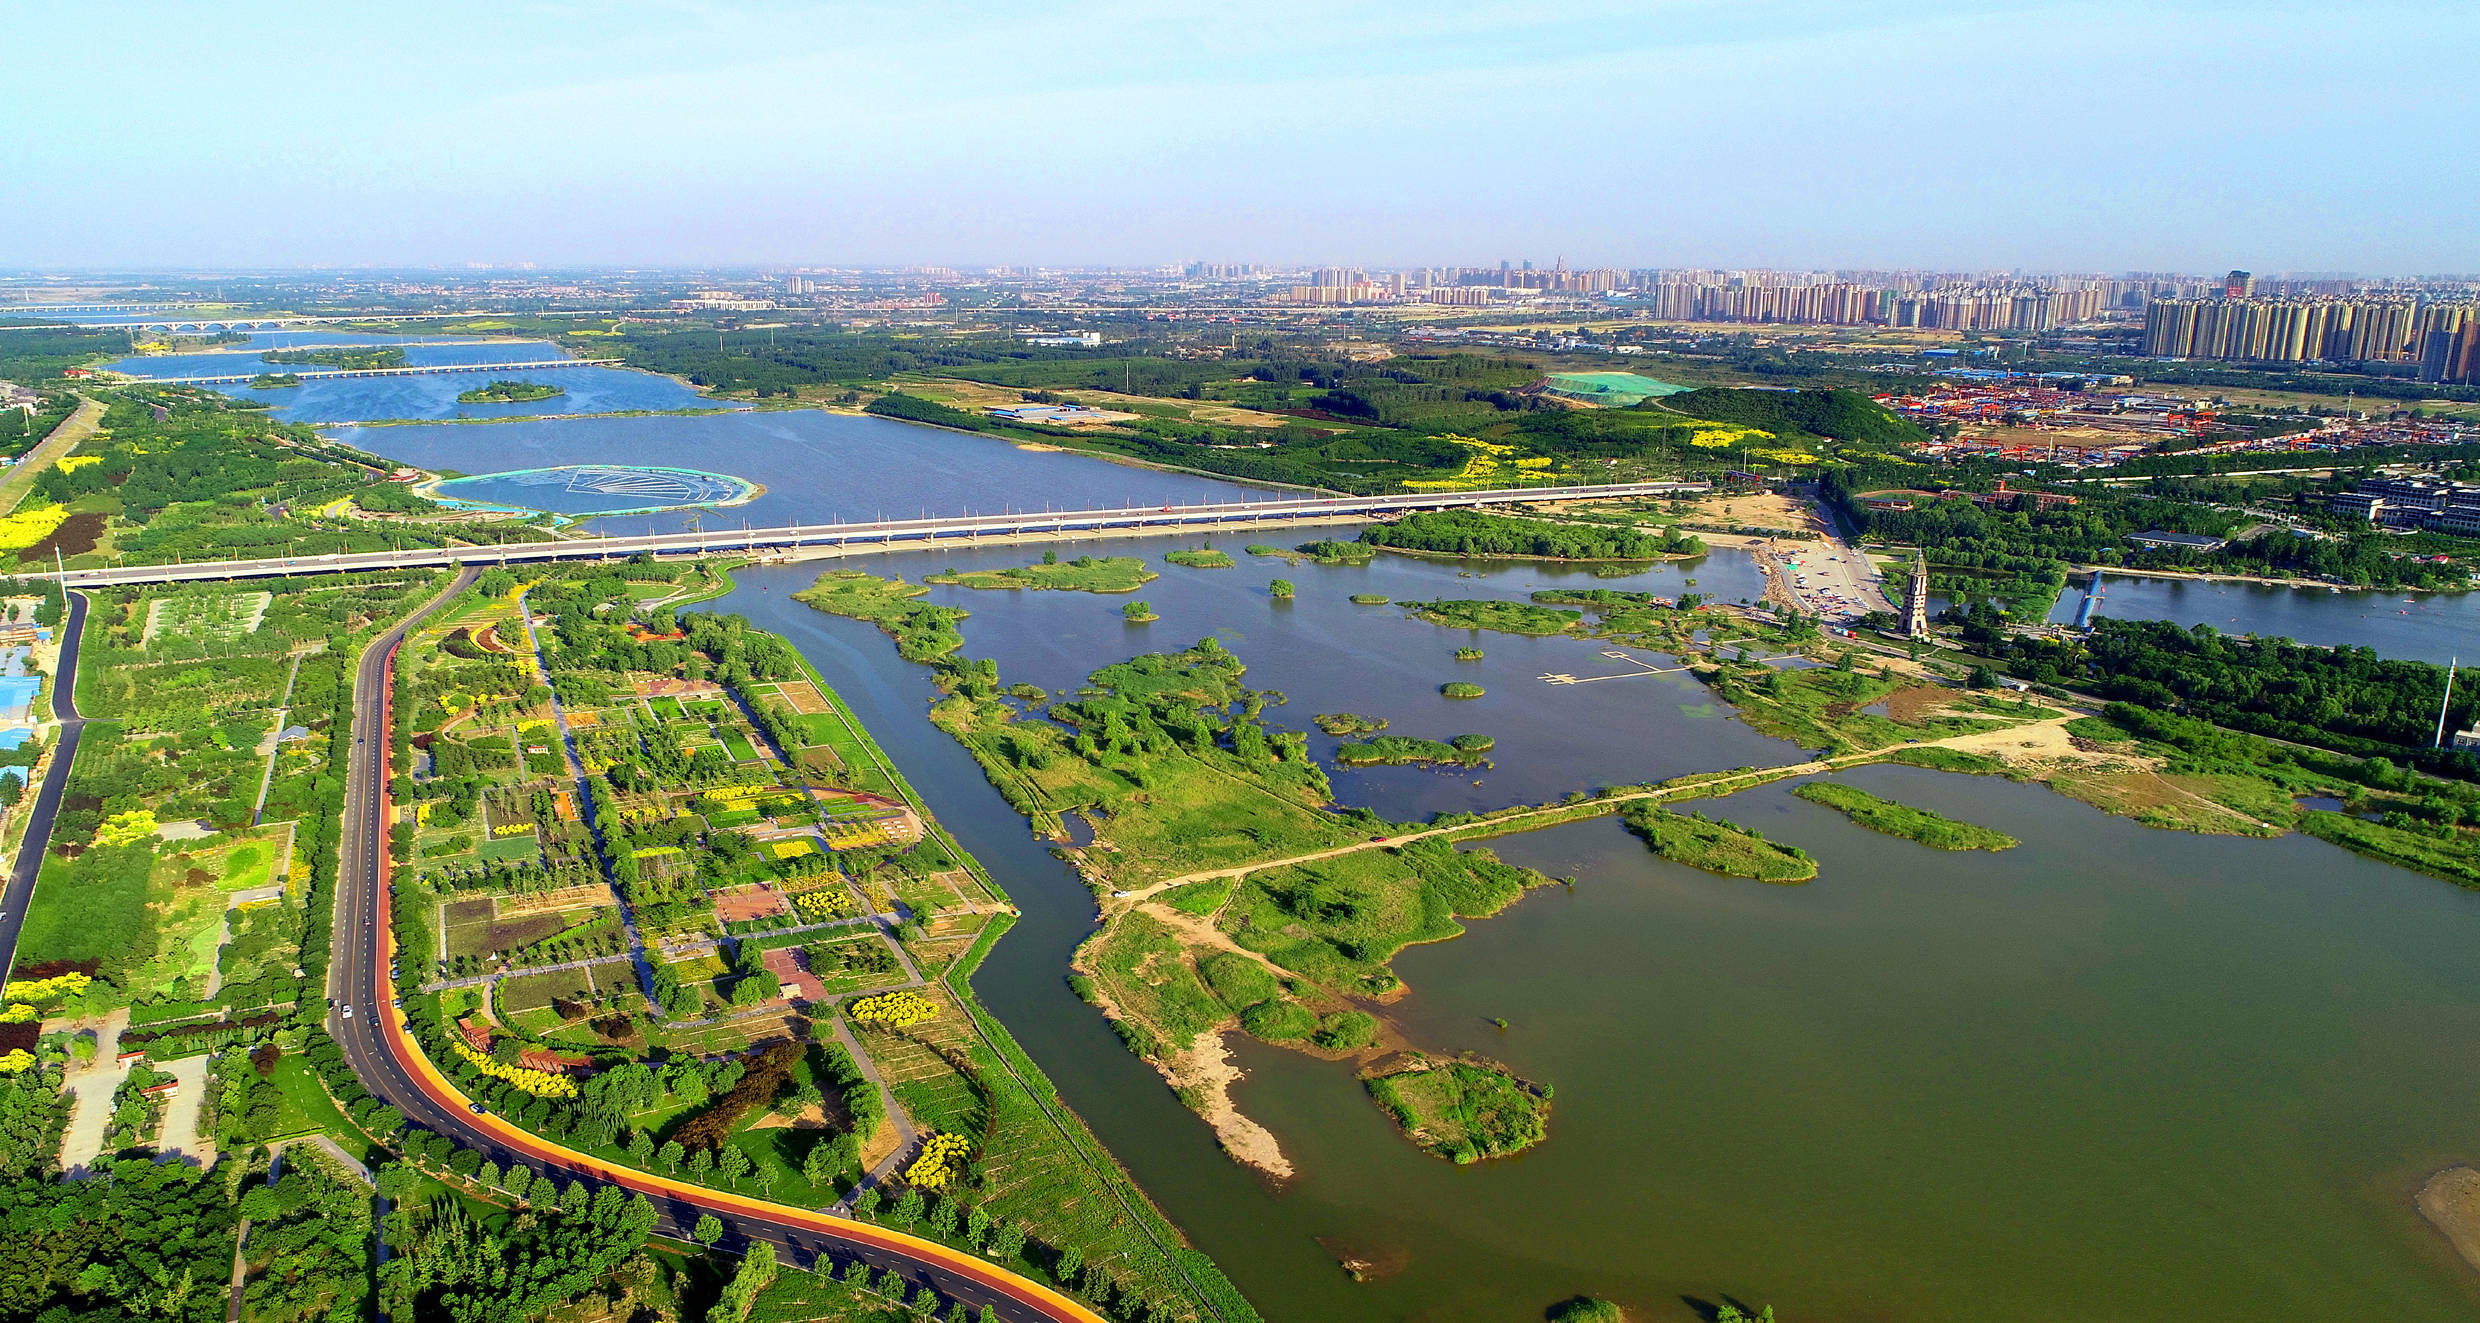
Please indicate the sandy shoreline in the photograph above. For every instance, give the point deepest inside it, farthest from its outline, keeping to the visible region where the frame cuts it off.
(2451, 1203)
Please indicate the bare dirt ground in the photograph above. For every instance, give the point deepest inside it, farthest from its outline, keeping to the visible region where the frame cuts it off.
(1206, 1067)
(2451, 1203)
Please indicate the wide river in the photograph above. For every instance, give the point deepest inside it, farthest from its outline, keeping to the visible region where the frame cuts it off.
(2113, 1074)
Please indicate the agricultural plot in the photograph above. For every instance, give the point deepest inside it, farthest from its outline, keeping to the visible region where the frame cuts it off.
(477, 935)
(205, 614)
(153, 841)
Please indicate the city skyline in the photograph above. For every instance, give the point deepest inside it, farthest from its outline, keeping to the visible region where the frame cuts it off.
(2021, 135)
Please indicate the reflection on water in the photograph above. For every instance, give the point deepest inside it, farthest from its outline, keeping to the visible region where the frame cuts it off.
(2432, 627)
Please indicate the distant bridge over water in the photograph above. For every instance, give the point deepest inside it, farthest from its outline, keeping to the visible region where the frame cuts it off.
(809, 540)
(422, 370)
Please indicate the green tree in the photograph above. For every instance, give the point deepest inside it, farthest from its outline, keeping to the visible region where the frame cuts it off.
(908, 1206)
(1280, 588)
(866, 1202)
(641, 1147)
(670, 1156)
(734, 1163)
(700, 1163)
(707, 1231)
(818, 1165)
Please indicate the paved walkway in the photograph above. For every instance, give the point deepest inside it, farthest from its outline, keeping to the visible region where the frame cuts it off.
(182, 1114)
(90, 1087)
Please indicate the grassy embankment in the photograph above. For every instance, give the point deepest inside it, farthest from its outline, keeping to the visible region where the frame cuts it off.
(1934, 830)
(1717, 847)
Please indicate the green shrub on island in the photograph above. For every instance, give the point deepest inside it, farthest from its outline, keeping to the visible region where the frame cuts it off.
(1586, 1309)
(1348, 723)
(1370, 599)
(509, 392)
(1138, 613)
(1346, 1031)
(1473, 533)
(1717, 847)
(1504, 617)
(1328, 551)
(1200, 559)
(1085, 574)
(1280, 589)
(1461, 689)
(1468, 654)
(351, 357)
(1279, 1021)
(923, 632)
(275, 380)
(1463, 1110)
(1401, 750)
(1934, 830)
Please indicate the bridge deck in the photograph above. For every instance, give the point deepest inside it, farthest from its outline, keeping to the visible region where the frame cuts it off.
(898, 534)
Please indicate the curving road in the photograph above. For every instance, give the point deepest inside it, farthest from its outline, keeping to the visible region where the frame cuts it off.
(394, 1069)
(19, 892)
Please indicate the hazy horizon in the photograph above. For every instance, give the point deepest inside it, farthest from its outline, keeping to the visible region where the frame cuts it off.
(2186, 135)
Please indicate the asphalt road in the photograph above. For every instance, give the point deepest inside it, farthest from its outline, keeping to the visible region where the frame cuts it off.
(20, 891)
(389, 1065)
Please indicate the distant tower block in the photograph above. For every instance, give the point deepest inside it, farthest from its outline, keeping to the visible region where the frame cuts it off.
(1916, 602)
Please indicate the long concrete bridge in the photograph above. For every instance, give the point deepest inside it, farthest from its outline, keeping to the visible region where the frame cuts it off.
(420, 370)
(881, 535)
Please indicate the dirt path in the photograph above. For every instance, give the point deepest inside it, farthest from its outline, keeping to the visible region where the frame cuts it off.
(1700, 789)
(47, 452)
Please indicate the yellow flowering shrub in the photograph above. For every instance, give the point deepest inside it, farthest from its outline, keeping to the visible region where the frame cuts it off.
(15, 1061)
(18, 1013)
(123, 828)
(941, 1162)
(895, 1010)
(40, 990)
(540, 1083)
(823, 904)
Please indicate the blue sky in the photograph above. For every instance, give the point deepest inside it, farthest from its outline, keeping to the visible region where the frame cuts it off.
(2173, 134)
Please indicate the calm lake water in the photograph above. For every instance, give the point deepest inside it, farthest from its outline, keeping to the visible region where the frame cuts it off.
(589, 389)
(817, 467)
(2433, 627)
(2113, 1074)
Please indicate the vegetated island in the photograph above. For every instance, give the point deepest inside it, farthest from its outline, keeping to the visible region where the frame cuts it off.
(1468, 654)
(1348, 723)
(1505, 617)
(509, 392)
(1085, 574)
(1370, 599)
(1199, 558)
(1463, 1109)
(1934, 830)
(1324, 551)
(1472, 533)
(1400, 750)
(1461, 689)
(1717, 847)
(353, 357)
(1138, 613)
(274, 380)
